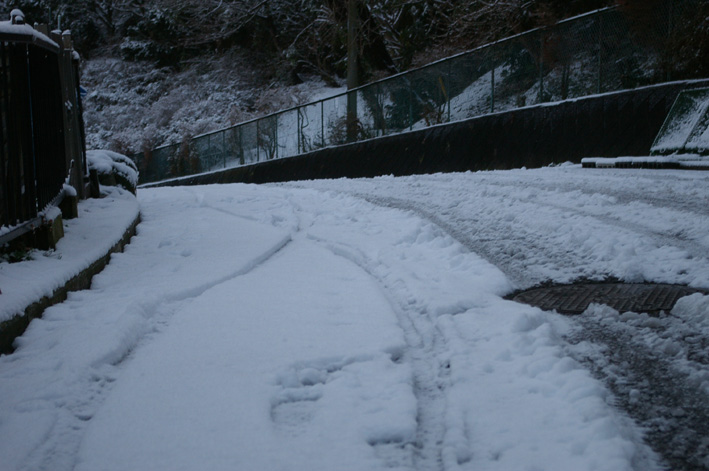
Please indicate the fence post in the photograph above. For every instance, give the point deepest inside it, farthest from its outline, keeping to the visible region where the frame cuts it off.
(380, 110)
(600, 53)
(322, 121)
(541, 66)
(242, 158)
(73, 145)
(411, 105)
(448, 92)
(275, 137)
(351, 117)
(299, 131)
(258, 141)
(492, 89)
(209, 150)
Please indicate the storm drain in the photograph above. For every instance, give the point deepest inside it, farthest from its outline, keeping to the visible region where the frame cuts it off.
(575, 299)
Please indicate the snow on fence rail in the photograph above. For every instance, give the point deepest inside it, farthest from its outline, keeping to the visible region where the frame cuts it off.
(603, 51)
(41, 130)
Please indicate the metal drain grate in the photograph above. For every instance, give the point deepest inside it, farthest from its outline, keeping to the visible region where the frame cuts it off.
(574, 299)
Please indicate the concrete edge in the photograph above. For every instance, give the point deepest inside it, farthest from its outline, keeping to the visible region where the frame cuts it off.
(16, 326)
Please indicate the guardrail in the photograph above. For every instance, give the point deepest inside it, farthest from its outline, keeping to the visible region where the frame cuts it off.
(41, 131)
(603, 51)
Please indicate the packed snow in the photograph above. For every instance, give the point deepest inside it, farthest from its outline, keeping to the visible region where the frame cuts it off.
(359, 324)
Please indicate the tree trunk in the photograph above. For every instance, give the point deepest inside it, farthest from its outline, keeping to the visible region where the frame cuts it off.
(352, 68)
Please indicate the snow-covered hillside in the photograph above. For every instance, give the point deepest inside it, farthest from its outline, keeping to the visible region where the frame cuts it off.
(130, 106)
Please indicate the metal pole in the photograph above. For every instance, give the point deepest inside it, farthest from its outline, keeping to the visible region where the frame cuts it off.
(300, 132)
(242, 158)
(380, 110)
(258, 139)
(492, 89)
(448, 93)
(541, 66)
(600, 53)
(322, 122)
(411, 106)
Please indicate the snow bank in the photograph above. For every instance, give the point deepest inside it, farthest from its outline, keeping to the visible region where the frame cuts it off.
(100, 225)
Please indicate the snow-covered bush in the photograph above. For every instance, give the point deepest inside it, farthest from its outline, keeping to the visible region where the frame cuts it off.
(114, 169)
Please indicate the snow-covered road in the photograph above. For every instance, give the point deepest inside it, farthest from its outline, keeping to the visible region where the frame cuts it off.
(563, 223)
(361, 324)
(567, 224)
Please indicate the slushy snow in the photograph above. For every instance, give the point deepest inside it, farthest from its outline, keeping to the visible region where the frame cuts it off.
(349, 325)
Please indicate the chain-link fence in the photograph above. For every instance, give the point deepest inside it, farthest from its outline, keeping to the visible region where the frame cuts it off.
(606, 50)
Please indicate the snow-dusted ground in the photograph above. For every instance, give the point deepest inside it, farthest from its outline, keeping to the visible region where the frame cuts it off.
(360, 324)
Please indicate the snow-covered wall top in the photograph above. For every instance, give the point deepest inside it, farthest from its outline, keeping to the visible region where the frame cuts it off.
(687, 126)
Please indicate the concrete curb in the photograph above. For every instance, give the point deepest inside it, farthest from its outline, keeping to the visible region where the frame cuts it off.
(13, 328)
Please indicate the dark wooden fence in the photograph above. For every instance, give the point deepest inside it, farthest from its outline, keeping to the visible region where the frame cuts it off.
(41, 130)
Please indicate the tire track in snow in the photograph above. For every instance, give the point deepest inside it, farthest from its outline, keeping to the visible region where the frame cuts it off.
(646, 385)
(676, 239)
(454, 227)
(669, 405)
(519, 252)
(155, 306)
(58, 450)
(597, 185)
(425, 353)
